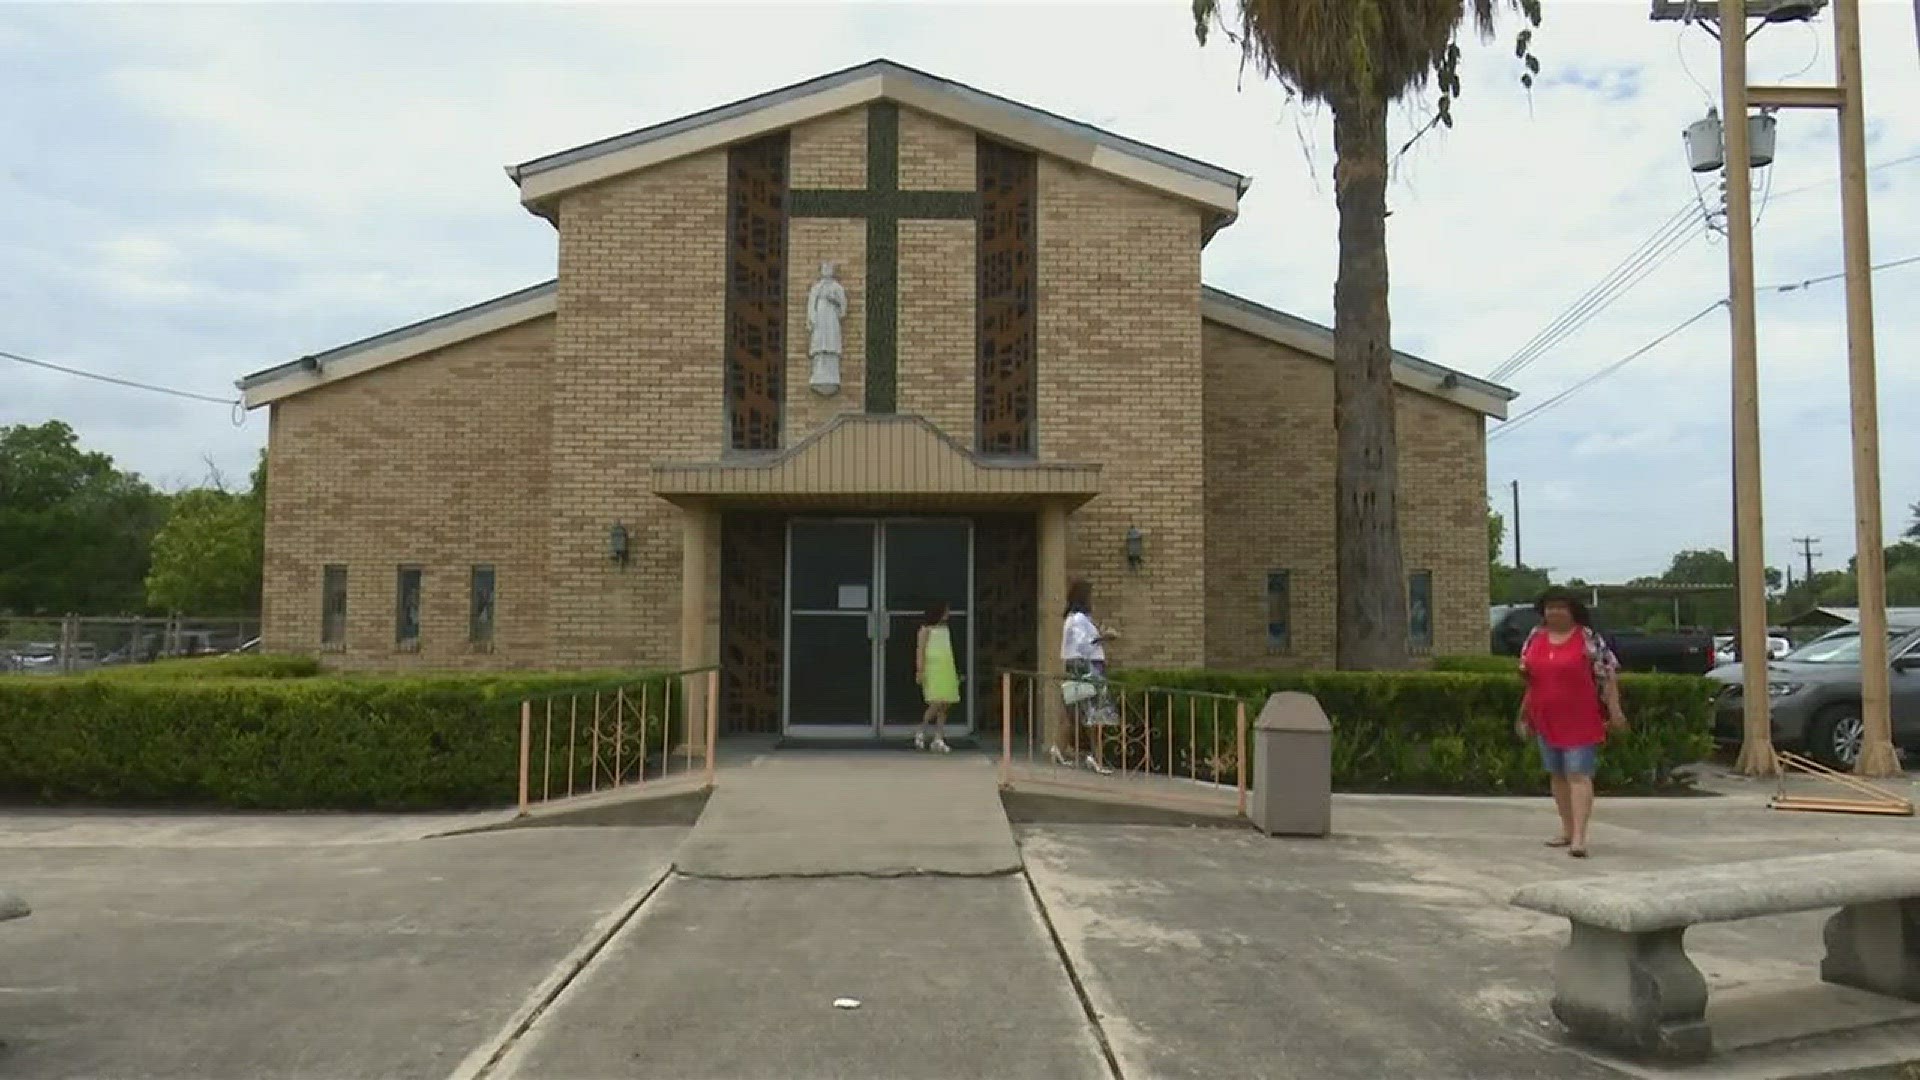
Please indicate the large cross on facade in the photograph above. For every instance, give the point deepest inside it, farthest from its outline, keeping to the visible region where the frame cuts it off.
(883, 205)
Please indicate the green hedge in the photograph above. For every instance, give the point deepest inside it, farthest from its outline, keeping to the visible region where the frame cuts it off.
(236, 666)
(405, 742)
(1478, 665)
(1446, 732)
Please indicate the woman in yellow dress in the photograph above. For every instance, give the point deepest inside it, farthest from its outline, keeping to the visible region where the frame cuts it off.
(939, 680)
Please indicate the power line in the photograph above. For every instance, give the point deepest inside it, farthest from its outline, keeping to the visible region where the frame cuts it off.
(1563, 395)
(1636, 266)
(1643, 258)
(1643, 350)
(116, 380)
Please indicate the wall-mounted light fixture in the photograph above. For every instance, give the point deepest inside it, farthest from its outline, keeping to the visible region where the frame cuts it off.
(1136, 547)
(617, 544)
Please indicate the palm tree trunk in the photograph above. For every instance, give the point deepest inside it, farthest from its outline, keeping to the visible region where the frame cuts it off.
(1372, 627)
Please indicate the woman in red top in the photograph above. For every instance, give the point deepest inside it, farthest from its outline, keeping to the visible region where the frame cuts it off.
(1572, 698)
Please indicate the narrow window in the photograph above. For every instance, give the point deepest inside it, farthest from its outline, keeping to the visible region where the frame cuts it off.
(1279, 611)
(480, 606)
(333, 606)
(406, 608)
(1420, 611)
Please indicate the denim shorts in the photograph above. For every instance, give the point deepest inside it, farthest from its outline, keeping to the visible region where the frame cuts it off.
(1569, 760)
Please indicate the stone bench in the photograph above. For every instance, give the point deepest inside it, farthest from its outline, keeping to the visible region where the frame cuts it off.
(1624, 979)
(12, 907)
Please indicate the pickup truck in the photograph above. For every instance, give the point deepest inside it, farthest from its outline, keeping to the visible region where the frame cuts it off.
(1677, 652)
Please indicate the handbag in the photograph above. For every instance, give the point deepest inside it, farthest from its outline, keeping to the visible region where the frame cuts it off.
(1075, 691)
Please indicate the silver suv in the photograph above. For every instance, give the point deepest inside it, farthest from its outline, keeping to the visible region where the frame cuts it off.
(1815, 692)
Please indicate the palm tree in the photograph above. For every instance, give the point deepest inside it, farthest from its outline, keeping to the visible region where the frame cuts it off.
(1359, 56)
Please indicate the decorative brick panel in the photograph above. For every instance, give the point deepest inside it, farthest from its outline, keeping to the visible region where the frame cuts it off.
(934, 154)
(830, 152)
(1269, 503)
(438, 462)
(936, 324)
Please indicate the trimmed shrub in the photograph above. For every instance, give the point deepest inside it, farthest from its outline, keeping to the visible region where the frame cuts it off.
(409, 742)
(1448, 732)
(234, 666)
(1478, 665)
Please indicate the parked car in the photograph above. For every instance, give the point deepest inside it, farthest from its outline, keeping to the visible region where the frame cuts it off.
(1678, 652)
(1814, 694)
(1726, 648)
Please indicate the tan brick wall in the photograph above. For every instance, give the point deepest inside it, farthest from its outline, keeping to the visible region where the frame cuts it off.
(440, 462)
(934, 154)
(810, 242)
(1269, 503)
(638, 378)
(936, 332)
(1120, 385)
(830, 152)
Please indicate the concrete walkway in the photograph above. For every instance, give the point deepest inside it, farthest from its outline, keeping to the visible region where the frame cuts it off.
(821, 813)
(292, 946)
(885, 878)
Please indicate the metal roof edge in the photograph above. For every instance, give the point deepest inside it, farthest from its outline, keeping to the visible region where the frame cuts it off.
(397, 335)
(821, 83)
(1308, 326)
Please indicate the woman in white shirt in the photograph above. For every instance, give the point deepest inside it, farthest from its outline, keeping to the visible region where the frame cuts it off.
(1083, 649)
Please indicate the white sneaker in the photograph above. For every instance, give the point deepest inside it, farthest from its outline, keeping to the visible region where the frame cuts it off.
(919, 740)
(940, 745)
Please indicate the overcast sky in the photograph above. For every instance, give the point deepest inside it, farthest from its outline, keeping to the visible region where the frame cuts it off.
(192, 193)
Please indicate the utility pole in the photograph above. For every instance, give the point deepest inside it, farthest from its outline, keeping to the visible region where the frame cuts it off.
(1877, 757)
(1518, 562)
(1806, 549)
(1756, 748)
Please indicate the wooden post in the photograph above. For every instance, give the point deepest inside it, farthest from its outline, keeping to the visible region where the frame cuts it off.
(1756, 748)
(1877, 756)
(526, 748)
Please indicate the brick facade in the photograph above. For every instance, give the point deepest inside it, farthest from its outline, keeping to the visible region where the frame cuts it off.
(1119, 386)
(523, 448)
(1269, 504)
(636, 379)
(439, 462)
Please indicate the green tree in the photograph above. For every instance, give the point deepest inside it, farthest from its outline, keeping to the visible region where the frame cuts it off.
(1709, 567)
(1913, 527)
(207, 558)
(1496, 534)
(74, 530)
(1358, 57)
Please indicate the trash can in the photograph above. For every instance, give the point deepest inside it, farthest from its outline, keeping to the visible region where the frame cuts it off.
(1292, 767)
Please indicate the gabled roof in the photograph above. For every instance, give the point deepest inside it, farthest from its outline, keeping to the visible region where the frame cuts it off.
(1211, 186)
(353, 358)
(1310, 337)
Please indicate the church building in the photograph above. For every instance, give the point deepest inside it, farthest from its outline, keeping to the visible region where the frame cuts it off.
(818, 359)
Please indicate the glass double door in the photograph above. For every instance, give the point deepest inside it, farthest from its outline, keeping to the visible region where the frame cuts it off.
(857, 594)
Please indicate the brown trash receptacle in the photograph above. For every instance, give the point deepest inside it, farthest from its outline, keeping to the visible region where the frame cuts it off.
(1292, 767)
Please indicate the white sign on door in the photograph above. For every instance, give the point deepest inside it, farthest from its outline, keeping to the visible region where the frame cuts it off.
(853, 597)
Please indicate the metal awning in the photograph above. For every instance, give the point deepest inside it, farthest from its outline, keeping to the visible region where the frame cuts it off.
(885, 459)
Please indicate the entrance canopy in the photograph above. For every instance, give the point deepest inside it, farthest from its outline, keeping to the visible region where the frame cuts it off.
(876, 460)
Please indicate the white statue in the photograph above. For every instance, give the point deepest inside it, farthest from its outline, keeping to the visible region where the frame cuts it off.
(826, 305)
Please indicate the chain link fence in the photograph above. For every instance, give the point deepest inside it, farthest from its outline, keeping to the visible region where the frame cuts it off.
(74, 643)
